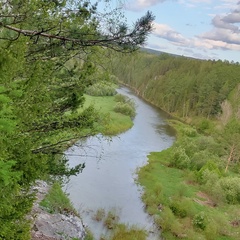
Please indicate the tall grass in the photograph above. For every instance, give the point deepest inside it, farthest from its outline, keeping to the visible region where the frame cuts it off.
(56, 201)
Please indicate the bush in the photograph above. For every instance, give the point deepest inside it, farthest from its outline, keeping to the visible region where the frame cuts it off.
(231, 188)
(125, 108)
(204, 175)
(178, 209)
(120, 98)
(179, 158)
(199, 159)
(213, 187)
(200, 221)
(190, 132)
(101, 89)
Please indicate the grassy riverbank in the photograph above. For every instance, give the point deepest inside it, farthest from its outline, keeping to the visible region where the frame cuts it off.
(189, 201)
(110, 122)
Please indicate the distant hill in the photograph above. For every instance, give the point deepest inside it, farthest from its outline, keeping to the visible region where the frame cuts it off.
(156, 52)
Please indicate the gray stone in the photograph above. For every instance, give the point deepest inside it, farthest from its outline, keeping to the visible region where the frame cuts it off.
(53, 226)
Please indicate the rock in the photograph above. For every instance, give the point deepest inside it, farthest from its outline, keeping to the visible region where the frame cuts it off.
(53, 226)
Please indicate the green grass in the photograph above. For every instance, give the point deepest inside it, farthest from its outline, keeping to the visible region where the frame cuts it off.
(56, 201)
(111, 122)
(125, 232)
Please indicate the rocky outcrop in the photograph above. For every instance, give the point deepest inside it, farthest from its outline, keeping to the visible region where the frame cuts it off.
(57, 226)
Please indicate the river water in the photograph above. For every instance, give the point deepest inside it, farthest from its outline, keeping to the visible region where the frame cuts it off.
(109, 179)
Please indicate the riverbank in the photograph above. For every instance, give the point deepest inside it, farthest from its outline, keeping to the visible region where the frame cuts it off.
(192, 195)
(188, 199)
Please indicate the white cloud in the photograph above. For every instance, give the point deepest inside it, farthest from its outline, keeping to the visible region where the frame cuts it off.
(222, 35)
(138, 5)
(166, 32)
(215, 44)
(220, 22)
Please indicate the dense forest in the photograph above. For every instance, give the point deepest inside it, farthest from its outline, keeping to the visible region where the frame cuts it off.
(48, 51)
(181, 86)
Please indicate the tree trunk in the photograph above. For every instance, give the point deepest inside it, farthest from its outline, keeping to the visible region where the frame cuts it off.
(230, 157)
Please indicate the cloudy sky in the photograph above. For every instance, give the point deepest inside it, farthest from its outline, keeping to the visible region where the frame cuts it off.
(206, 29)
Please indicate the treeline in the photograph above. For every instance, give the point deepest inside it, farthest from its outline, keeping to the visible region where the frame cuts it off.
(182, 86)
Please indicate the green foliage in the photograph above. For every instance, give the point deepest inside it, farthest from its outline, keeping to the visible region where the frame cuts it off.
(200, 220)
(128, 233)
(125, 109)
(210, 166)
(231, 188)
(101, 89)
(182, 86)
(56, 201)
(125, 105)
(178, 209)
(120, 98)
(179, 158)
(109, 122)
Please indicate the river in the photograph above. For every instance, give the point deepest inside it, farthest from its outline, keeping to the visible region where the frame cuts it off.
(109, 179)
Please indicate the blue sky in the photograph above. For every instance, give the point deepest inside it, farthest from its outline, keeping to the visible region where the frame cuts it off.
(205, 29)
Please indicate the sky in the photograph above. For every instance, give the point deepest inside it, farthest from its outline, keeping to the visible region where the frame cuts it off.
(204, 29)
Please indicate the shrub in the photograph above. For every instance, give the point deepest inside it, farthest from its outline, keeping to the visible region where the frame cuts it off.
(178, 209)
(120, 98)
(199, 159)
(213, 187)
(125, 108)
(204, 175)
(200, 221)
(231, 188)
(190, 132)
(179, 158)
(166, 219)
(101, 89)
